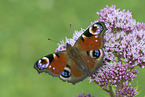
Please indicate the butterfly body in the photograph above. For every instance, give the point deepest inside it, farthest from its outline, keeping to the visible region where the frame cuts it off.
(78, 57)
(78, 61)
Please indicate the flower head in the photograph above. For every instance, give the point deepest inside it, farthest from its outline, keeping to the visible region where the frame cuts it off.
(83, 95)
(127, 91)
(116, 74)
(124, 48)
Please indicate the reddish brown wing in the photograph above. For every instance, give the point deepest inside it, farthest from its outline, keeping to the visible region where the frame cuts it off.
(92, 38)
(53, 64)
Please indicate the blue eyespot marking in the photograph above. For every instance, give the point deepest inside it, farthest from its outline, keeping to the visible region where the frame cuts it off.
(66, 74)
(42, 66)
(43, 63)
(100, 27)
(96, 54)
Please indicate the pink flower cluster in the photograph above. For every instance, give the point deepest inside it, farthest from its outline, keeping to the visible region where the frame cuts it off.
(83, 95)
(124, 48)
(118, 73)
(126, 91)
(124, 39)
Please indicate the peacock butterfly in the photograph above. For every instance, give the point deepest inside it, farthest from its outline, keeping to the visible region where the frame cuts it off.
(78, 61)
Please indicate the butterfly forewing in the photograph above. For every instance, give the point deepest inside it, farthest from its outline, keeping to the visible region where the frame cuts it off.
(53, 64)
(92, 38)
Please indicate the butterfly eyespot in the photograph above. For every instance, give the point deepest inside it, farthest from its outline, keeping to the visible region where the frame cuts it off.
(94, 54)
(96, 29)
(43, 63)
(66, 73)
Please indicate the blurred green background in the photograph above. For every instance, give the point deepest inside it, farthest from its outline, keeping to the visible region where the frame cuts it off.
(25, 26)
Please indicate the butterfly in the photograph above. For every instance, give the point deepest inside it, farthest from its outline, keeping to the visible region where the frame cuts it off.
(78, 61)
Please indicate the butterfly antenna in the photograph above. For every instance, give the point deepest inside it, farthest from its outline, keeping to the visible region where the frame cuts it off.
(53, 40)
(57, 41)
(70, 28)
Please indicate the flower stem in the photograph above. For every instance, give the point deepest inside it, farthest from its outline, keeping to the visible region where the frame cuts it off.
(111, 91)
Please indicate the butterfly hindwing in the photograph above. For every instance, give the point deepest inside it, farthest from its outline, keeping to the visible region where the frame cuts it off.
(94, 59)
(72, 73)
(92, 38)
